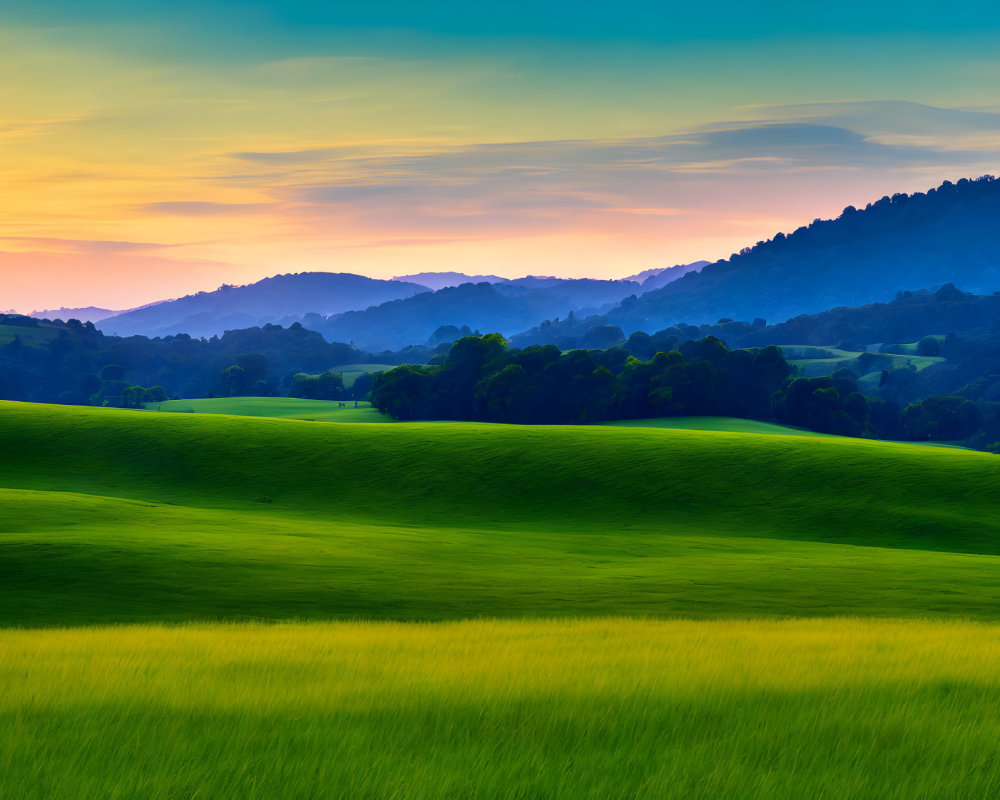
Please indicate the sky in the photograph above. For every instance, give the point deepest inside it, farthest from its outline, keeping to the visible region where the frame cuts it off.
(152, 149)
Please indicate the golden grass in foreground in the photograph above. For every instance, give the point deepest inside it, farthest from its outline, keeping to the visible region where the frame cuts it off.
(602, 708)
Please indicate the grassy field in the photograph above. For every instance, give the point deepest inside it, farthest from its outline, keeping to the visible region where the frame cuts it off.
(329, 411)
(275, 407)
(736, 425)
(910, 348)
(808, 352)
(803, 359)
(133, 516)
(599, 611)
(352, 372)
(30, 337)
(596, 709)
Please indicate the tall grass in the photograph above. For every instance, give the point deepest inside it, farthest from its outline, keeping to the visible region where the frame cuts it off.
(581, 709)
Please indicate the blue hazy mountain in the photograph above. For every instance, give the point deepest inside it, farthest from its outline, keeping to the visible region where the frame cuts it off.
(657, 277)
(88, 314)
(502, 307)
(947, 235)
(444, 280)
(282, 298)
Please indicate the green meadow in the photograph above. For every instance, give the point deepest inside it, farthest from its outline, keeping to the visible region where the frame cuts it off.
(112, 515)
(276, 407)
(735, 425)
(30, 337)
(216, 605)
(803, 357)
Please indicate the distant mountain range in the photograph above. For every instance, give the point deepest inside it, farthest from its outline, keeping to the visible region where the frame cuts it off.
(88, 314)
(283, 298)
(376, 314)
(946, 235)
(445, 280)
(503, 307)
(319, 299)
(647, 279)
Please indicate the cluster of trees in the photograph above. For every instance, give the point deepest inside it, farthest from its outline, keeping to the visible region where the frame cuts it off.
(951, 418)
(483, 379)
(61, 362)
(834, 405)
(328, 386)
(114, 390)
(961, 328)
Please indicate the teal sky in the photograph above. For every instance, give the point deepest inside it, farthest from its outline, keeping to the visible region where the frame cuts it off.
(199, 143)
(584, 19)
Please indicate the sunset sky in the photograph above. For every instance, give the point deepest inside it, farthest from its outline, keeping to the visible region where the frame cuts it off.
(153, 149)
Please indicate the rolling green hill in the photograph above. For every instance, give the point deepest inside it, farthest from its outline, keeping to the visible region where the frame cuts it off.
(804, 358)
(737, 425)
(720, 424)
(29, 336)
(117, 515)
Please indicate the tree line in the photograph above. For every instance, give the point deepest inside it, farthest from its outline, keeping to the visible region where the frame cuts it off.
(676, 371)
(51, 361)
(483, 379)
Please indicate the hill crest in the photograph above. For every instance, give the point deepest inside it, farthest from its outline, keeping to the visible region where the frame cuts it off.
(946, 235)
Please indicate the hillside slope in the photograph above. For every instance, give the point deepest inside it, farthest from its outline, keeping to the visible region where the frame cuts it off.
(115, 515)
(658, 277)
(948, 235)
(491, 475)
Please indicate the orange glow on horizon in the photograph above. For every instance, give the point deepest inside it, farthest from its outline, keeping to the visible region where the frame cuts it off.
(128, 178)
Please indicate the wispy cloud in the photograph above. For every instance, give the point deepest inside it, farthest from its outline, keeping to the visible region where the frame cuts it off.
(290, 157)
(80, 246)
(726, 184)
(889, 121)
(193, 208)
(562, 178)
(25, 128)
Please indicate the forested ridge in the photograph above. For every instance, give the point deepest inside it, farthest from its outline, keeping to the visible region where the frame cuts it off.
(948, 234)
